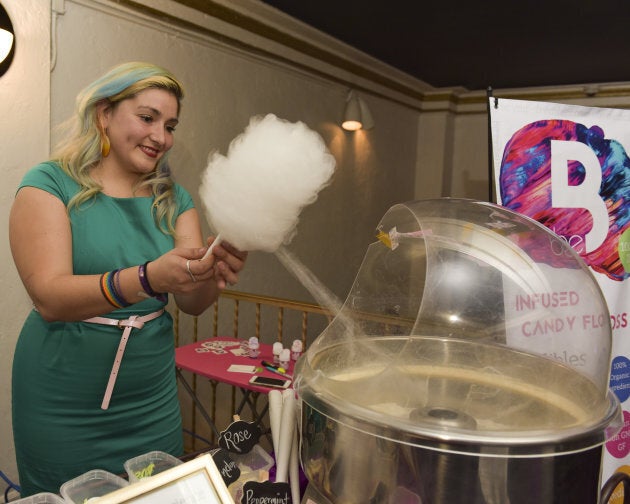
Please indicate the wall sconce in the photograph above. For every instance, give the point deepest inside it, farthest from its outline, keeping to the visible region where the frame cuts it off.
(357, 114)
(7, 41)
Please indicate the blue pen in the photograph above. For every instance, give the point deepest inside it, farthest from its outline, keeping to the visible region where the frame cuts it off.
(279, 371)
(269, 364)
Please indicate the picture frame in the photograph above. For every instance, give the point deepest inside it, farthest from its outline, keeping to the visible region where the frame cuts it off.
(197, 481)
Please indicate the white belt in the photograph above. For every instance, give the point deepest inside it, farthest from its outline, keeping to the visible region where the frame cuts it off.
(133, 322)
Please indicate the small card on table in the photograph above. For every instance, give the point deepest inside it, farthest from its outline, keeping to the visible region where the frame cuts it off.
(242, 368)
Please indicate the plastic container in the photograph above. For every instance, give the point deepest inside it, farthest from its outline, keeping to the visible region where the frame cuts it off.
(254, 347)
(95, 483)
(296, 349)
(277, 350)
(285, 358)
(41, 498)
(253, 466)
(149, 464)
(256, 460)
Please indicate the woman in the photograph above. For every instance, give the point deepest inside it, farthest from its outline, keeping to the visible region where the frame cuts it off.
(100, 234)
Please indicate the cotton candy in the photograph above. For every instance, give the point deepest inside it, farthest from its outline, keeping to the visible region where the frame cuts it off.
(253, 196)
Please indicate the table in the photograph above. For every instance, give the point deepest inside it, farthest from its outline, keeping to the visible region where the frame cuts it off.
(211, 359)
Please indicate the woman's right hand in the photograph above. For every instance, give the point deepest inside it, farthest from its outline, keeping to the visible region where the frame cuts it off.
(182, 271)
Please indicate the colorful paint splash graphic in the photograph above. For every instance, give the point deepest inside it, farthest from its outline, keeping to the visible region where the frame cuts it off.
(525, 187)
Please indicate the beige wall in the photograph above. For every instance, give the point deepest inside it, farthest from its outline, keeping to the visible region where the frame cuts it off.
(418, 148)
(24, 139)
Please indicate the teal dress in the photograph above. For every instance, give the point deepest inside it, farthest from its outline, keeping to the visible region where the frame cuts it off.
(61, 369)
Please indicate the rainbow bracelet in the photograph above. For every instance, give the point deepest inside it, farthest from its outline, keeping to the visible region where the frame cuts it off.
(108, 283)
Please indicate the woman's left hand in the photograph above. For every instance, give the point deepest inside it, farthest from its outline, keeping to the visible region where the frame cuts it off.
(229, 261)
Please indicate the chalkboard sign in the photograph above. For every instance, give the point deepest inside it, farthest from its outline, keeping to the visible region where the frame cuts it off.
(254, 492)
(240, 437)
(227, 467)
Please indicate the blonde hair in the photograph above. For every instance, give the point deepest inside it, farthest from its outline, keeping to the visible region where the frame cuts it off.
(81, 148)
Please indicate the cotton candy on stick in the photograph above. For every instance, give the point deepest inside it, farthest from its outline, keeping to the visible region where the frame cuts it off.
(253, 196)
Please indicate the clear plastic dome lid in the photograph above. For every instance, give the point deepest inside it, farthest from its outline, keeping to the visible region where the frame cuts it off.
(469, 320)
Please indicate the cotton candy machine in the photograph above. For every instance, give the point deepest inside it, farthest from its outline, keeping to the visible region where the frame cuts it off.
(469, 363)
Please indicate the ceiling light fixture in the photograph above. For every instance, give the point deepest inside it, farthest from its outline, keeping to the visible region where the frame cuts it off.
(7, 41)
(357, 115)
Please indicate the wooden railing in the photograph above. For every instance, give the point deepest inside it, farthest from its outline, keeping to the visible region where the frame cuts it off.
(241, 315)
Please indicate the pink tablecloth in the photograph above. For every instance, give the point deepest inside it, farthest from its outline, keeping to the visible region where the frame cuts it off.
(213, 357)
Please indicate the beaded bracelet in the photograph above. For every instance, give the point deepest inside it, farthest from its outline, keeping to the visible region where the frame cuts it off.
(108, 283)
(146, 286)
(117, 289)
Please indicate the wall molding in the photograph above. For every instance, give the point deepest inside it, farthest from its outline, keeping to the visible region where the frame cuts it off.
(254, 28)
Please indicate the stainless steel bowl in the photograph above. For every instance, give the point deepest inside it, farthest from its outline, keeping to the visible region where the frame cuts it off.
(444, 421)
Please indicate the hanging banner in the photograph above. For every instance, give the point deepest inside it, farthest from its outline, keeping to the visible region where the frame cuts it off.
(568, 167)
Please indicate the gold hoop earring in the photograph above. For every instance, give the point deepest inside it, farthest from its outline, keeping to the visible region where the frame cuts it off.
(105, 145)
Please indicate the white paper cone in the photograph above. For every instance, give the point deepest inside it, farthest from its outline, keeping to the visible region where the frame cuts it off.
(287, 427)
(275, 418)
(294, 469)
